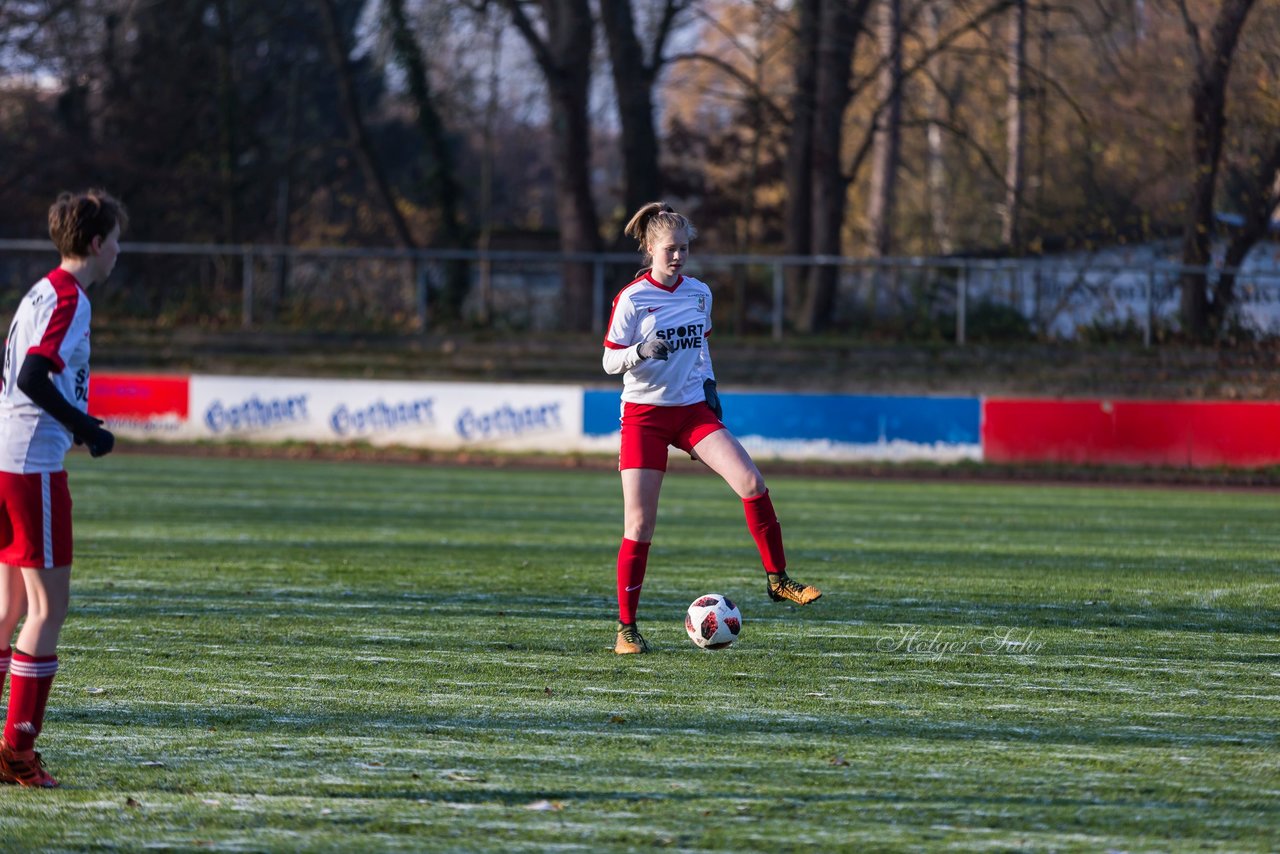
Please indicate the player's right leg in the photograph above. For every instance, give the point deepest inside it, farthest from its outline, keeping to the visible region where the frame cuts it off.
(32, 670)
(642, 463)
(38, 512)
(640, 490)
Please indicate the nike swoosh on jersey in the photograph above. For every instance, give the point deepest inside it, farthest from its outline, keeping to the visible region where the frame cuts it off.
(652, 310)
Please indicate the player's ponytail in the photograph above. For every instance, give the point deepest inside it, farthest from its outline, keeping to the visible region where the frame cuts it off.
(654, 220)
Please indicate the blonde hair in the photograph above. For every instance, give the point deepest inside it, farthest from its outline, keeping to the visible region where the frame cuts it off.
(654, 220)
(74, 220)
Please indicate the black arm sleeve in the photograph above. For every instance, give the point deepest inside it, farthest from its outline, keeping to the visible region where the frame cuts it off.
(34, 382)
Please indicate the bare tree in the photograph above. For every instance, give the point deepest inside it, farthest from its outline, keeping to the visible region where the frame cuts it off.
(1015, 129)
(228, 119)
(936, 161)
(635, 72)
(798, 166)
(1211, 69)
(1258, 201)
(353, 116)
(888, 129)
(839, 24)
(441, 181)
(442, 184)
(561, 46)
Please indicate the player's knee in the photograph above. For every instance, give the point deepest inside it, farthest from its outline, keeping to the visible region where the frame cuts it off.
(639, 529)
(49, 616)
(640, 533)
(752, 486)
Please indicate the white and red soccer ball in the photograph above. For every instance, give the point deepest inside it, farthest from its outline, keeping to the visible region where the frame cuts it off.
(712, 621)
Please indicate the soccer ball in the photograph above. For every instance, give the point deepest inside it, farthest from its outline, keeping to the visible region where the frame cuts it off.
(712, 621)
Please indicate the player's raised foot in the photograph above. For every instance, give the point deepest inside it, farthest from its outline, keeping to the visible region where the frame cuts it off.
(784, 588)
(630, 641)
(23, 768)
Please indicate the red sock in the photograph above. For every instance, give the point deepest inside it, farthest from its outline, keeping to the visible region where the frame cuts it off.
(633, 556)
(4, 668)
(767, 531)
(30, 678)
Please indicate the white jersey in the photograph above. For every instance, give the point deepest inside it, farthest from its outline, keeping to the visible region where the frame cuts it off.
(51, 321)
(680, 314)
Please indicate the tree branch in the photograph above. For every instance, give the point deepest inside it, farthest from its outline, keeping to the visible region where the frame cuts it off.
(775, 111)
(670, 11)
(541, 50)
(1193, 32)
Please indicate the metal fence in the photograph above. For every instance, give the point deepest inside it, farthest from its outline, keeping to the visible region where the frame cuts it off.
(389, 290)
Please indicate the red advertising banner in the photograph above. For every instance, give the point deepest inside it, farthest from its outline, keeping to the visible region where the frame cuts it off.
(138, 397)
(1129, 432)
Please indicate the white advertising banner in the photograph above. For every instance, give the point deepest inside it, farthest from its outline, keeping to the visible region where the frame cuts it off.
(416, 414)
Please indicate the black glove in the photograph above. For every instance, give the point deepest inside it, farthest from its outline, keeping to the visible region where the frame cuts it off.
(655, 348)
(34, 382)
(100, 442)
(713, 398)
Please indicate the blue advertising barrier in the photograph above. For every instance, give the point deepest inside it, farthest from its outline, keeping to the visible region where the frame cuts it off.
(829, 421)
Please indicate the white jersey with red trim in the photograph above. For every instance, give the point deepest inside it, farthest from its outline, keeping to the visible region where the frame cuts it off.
(51, 321)
(679, 314)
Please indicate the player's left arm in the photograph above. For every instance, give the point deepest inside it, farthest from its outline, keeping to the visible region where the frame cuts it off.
(34, 382)
(709, 375)
(65, 327)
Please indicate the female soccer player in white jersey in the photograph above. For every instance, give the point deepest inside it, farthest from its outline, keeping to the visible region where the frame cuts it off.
(657, 339)
(42, 411)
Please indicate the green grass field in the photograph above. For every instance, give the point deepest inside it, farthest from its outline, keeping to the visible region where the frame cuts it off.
(275, 655)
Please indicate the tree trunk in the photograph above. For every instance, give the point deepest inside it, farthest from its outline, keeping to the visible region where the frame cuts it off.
(361, 145)
(633, 81)
(839, 24)
(1208, 125)
(936, 168)
(1015, 129)
(441, 180)
(228, 118)
(1262, 196)
(442, 184)
(564, 55)
(884, 169)
(798, 165)
(284, 190)
(579, 228)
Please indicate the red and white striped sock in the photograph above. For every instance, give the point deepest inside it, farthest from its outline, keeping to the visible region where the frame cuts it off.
(30, 678)
(765, 528)
(633, 557)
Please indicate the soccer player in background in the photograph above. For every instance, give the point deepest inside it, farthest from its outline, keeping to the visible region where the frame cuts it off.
(42, 411)
(657, 338)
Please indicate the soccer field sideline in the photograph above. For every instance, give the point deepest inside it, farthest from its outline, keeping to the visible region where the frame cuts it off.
(282, 655)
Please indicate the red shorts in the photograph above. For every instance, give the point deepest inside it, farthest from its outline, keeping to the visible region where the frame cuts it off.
(647, 430)
(35, 523)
